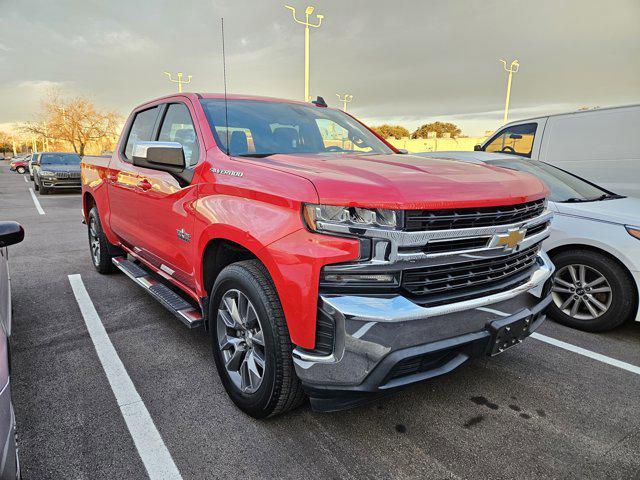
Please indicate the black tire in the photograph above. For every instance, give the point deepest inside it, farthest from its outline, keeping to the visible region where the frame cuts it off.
(623, 301)
(43, 190)
(20, 170)
(36, 185)
(102, 260)
(280, 389)
(31, 177)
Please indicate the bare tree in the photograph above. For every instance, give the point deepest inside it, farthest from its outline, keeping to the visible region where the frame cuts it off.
(76, 121)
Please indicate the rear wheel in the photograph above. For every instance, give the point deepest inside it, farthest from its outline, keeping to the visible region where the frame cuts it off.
(250, 340)
(590, 291)
(98, 244)
(20, 170)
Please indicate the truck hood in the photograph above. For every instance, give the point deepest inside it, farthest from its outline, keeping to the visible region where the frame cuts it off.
(618, 210)
(408, 181)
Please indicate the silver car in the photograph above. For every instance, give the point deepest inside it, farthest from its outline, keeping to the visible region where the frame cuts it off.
(10, 233)
(594, 244)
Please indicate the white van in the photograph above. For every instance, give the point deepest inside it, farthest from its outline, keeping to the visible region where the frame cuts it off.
(601, 145)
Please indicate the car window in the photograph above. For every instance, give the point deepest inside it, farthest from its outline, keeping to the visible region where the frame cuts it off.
(59, 159)
(517, 140)
(177, 126)
(141, 129)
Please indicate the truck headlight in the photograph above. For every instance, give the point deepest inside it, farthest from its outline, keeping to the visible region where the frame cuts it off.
(321, 218)
(45, 173)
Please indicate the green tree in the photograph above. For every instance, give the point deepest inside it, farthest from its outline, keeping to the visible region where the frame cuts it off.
(439, 128)
(388, 131)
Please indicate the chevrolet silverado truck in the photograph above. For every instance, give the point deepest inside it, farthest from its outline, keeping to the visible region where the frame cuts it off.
(322, 261)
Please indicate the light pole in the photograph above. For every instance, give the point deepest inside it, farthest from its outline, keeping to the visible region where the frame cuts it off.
(309, 10)
(345, 99)
(512, 69)
(179, 81)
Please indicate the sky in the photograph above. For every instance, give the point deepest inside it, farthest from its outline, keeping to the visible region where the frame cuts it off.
(406, 62)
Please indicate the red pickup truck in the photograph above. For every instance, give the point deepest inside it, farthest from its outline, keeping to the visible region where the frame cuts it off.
(322, 261)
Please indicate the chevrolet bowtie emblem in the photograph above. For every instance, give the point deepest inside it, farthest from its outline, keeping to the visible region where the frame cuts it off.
(512, 238)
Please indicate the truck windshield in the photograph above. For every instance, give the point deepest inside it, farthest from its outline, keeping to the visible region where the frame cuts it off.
(563, 186)
(259, 128)
(59, 159)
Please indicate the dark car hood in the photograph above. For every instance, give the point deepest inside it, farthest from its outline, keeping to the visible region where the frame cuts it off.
(407, 181)
(67, 167)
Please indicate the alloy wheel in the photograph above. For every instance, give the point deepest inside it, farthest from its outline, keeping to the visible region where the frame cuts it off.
(241, 341)
(581, 292)
(94, 242)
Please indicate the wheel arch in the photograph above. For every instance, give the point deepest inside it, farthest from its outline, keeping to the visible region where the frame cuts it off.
(223, 250)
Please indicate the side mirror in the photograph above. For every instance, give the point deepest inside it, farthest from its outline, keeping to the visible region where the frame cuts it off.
(163, 156)
(402, 151)
(477, 148)
(10, 233)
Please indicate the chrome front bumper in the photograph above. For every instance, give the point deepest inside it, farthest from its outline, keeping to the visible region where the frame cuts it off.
(374, 333)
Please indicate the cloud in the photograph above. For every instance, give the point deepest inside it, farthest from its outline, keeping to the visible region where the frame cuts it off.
(4, 48)
(42, 84)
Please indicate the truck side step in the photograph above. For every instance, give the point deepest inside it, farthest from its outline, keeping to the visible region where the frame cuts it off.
(186, 313)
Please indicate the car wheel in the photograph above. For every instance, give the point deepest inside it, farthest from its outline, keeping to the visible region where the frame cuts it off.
(36, 186)
(251, 343)
(31, 177)
(590, 291)
(98, 244)
(43, 190)
(20, 170)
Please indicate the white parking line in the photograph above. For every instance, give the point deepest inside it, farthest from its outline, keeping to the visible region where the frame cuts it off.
(587, 353)
(151, 448)
(36, 202)
(25, 180)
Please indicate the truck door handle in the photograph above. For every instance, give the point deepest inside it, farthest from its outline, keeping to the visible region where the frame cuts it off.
(112, 177)
(144, 184)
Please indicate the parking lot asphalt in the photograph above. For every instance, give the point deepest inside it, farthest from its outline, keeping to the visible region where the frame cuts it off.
(536, 411)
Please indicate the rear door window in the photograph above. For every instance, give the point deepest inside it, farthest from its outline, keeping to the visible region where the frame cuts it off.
(141, 129)
(515, 140)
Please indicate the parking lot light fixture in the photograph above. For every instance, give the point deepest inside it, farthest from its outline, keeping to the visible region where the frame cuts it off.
(345, 98)
(179, 81)
(309, 10)
(513, 68)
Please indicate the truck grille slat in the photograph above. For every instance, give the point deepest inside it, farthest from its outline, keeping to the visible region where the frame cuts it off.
(421, 220)
(461, 278)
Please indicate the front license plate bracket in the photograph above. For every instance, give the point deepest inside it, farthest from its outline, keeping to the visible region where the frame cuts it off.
(507, 333)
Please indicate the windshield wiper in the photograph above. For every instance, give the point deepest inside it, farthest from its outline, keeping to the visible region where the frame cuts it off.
(608, 196)
(605, 196)
(257, 155)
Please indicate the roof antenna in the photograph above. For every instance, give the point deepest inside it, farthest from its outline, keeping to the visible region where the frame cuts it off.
(224, 75)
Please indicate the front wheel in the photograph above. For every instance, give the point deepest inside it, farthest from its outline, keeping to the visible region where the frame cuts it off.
(590, 291)
(250, 340)
(20, 170)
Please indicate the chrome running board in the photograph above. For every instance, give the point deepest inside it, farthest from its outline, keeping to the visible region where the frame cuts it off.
(186, 312)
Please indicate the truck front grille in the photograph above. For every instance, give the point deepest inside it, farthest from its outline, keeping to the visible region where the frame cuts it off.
(460, 281)
(65, 175)
(420, 220)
